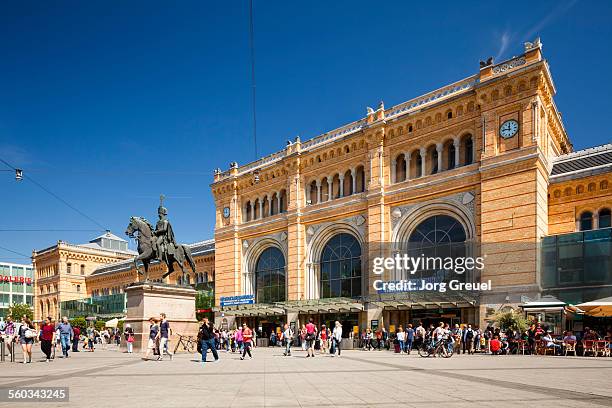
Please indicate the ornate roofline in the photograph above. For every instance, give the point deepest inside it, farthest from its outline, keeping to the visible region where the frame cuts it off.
(411, 106)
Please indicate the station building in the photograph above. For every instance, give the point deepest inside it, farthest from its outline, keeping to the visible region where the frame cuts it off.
(483, 160)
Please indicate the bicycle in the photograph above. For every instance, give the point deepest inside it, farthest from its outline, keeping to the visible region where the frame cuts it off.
(439, 349)
(189, 343)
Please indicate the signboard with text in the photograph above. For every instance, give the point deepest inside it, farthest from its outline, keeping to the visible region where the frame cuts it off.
(237, 300)
(16, 279)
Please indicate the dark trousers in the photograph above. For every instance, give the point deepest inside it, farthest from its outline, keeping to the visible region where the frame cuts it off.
(75, 344)
(45, 346)
(206, 344)
(247, 349)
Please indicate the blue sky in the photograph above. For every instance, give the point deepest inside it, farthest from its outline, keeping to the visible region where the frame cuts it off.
(96, 95)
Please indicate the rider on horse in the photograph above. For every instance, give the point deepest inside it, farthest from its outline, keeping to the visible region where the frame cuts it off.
(165, 242)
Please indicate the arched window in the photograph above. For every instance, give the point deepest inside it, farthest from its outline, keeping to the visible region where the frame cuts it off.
(604, 218)
(341, 267)
(586, 221)
(451, 156)
(69, 268)
(313, 198)
(400, 168)
(82, 269)
(270, 276)
(437, 237)
(469, 151)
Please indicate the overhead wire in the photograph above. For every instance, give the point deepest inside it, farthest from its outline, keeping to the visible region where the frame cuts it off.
(60, 199)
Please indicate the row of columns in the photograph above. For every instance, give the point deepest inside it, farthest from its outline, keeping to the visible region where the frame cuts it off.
(261, 202)
(330, 184)
(423, 154)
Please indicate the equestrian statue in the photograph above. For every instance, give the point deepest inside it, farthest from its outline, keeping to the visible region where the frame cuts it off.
(158, 244)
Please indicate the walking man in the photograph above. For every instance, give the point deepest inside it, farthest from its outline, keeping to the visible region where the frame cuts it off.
(207, 339)
(311, 335)
(75, 340)
(287, 338)
(247, 341)
(164, 331)
(66, 333)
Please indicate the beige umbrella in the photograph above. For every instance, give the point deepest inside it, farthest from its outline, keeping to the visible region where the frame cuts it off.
(112, 323)
(598, 308)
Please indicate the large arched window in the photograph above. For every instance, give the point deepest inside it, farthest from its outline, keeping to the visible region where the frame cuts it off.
(341, 267)
(586, 221)
(270, 276)
(604, 218)
(437, 237)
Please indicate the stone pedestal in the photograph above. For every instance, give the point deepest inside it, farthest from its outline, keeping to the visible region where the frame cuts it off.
(146, 300)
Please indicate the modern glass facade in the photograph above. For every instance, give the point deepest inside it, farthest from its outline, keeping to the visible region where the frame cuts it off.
(577, 267)
(16, 286)
(100, 307)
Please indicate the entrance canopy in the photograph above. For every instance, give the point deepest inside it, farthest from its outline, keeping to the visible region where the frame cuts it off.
(331, 305)
(597, 308)
(544, 303)
(417, 300)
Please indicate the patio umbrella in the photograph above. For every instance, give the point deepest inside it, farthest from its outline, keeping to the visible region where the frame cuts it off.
(111, 323)
(598, 308)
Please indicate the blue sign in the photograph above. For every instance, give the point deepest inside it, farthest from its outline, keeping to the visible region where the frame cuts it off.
(237, 300)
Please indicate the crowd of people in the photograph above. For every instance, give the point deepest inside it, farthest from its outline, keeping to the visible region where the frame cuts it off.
(466, 339)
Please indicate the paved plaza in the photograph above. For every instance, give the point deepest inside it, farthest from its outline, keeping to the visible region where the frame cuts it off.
(357, 379)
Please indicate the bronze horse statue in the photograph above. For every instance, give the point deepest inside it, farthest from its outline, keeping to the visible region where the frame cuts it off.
(142, 230)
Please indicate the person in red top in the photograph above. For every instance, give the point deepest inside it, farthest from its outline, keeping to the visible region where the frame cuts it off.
(247, 341)
(323, 336)
(75, 340)
(311, 335)
(47, 333)
(495, 345)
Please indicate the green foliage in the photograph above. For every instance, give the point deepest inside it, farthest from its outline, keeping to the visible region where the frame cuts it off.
(120, 325)
(17, 310)
(511, 320)
(79, 322)
(99, 325)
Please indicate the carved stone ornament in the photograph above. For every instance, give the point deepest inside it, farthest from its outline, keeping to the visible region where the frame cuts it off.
(463, 200)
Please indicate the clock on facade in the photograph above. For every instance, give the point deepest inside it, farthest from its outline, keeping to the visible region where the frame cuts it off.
(226, 212)
(508, 129)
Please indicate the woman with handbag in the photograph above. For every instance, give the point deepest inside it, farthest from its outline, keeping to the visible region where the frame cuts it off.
(128, 332)
(26, 338)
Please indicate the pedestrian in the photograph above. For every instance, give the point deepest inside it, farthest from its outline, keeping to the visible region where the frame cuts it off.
(206, 337)
(66, 334)
(467, 340)
(401, 338)
(287, 339)
(26, 338)
(337, 338)
(153, 337)
(91, 338)
(75, 339)
(311, 336)
(324, 338)
(164, 332)
(303, 337)
(47, 335)
(379, 336)
(419, 335)
(409, 338)
(238, 339)
(128, 332)
(9, 334)
(247, 341)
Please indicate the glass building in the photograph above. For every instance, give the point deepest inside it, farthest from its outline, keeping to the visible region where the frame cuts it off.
(16, 285)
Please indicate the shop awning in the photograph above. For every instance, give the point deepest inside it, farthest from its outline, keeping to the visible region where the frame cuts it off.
(331, 305)
(251, 310)
(418, 300)
(597, 308)
(545, 302)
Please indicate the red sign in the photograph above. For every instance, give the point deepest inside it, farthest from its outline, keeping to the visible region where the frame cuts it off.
(16, 279)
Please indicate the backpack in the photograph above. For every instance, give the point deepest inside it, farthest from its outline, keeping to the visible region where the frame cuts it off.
(469, 334)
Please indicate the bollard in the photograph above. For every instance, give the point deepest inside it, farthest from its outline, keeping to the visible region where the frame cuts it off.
(2, 346)
(12, 352)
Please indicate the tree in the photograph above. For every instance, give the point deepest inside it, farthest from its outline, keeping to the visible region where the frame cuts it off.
(79, 322)
(511, 320)
(99, 325)
(16, 310)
